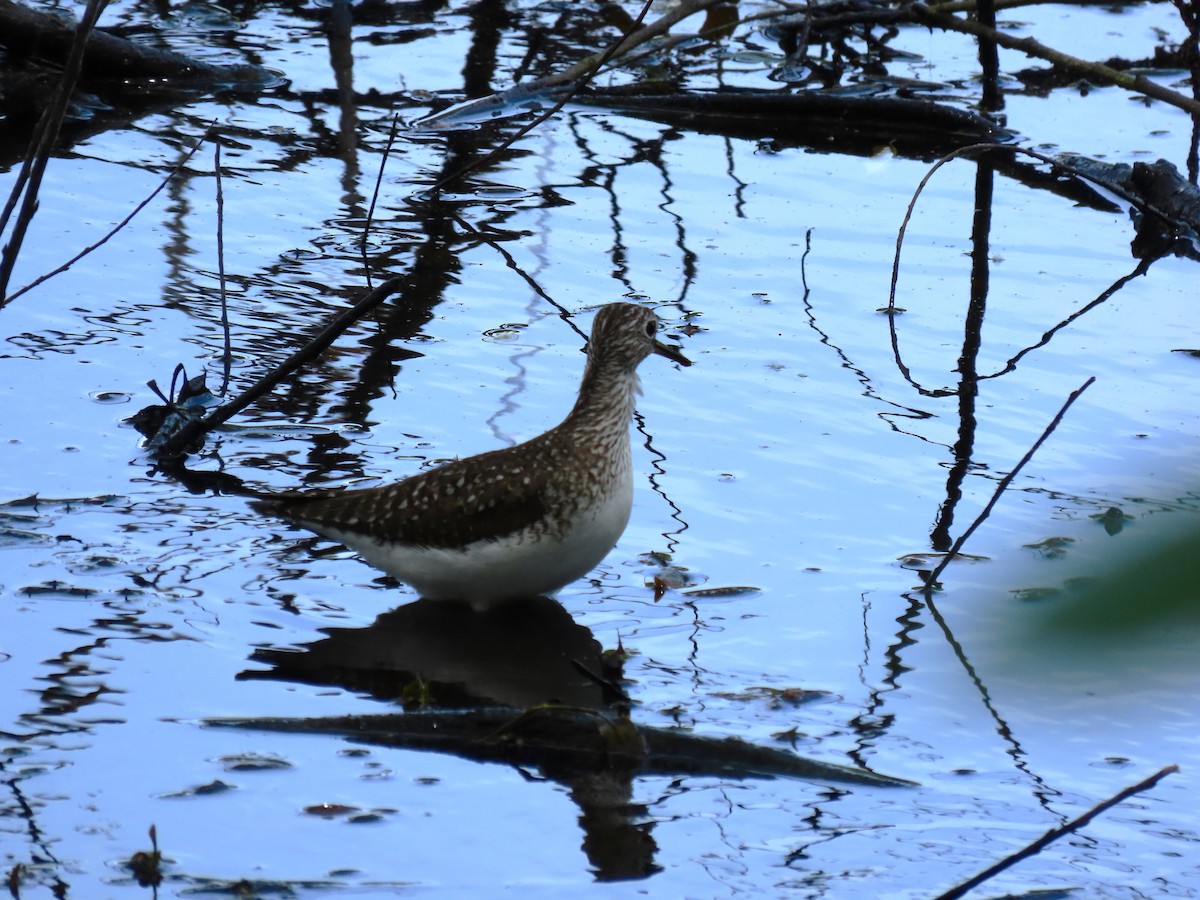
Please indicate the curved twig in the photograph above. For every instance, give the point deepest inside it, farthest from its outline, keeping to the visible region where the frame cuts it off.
(979, 149)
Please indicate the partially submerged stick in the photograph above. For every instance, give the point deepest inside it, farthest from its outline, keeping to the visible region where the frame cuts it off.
(45, 137)
(227, 356)
(1098, 71)
(596, 61)
(116, 228)
(931, 578)
(178, 443)
(1055, 833)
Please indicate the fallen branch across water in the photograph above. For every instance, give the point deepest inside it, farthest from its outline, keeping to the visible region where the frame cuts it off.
(1093, 70)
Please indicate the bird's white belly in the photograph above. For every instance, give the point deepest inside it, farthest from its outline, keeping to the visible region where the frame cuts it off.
(520, 565)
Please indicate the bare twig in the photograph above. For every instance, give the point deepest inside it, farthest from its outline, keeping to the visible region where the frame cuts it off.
(978, 150)
(42, 145)
(116, 228)
(969, 150)
(931, 578)
(590, 65)
(228, 356)
(387, 152)
(935, 14)
(1142, 267)
(1055, 833)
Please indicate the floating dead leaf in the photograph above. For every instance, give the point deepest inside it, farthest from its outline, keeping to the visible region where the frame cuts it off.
(616, 656)
(329, 810)
(1051, 547)
(655, 558)
(776, 698)
(253, 762)
(791, 736)
(930, 561)
(669, 578)
(185, 401)
(202, 790)
(146, 865)
(731, 591)
(15, 876)
(1035, 595)
(660, 588)
(1112, 519)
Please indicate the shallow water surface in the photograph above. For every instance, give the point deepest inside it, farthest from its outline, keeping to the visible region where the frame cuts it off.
(793, 459)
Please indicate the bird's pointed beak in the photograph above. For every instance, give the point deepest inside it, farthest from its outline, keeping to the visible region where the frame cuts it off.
(671, 353)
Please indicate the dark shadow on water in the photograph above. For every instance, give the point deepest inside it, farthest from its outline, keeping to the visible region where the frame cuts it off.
(452, 662)
(527, 686)
(519, 655)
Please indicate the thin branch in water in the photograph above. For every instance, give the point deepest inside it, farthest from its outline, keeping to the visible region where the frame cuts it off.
(892, 311)
(41, 146)
(587, 67)
(989, 59)
(228, 355)
(589, 72)
(1055, 833)
(116, 228)
(387, 151)
(1092, 70)
(1140, 269)
(931, 578)
(970, 150)
(178, 443)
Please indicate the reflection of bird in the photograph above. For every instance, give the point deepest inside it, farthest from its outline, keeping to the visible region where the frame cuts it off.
(516, 522)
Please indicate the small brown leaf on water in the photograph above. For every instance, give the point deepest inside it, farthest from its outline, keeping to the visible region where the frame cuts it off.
(1051, 547)
(201, 790)
(791, 736)
(253, 762)
(330, 810)
(731, 591)
(1112, 519)
(776, 698)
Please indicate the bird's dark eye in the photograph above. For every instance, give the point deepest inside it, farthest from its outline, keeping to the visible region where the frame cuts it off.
(651, 329)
